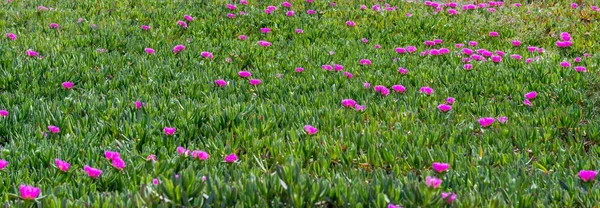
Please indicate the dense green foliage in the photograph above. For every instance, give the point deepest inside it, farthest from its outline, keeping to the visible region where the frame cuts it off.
(368, 158)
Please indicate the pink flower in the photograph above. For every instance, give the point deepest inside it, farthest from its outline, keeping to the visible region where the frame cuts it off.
(206, 54)
(448, 196)
(529, 60)
(289, 13)
(527, 102)
(244, 2)
(67, 85)
(400, 50)
(244, 74)
(580, 69)
(466, 60)
(459, 45)
(29, 192)
(243, 37)
(408, 15)
(188, 18)
(31, 53)
(393, 206)
(54, 26)
(203, 178)
(359, 108)
(377, 46)
(472, 43)
(350, 23)
(178, 48)
(12, 36)
(444, 107)
(516, 56)
(231, 7)
(138, 104)
(429, 43)
(42, 8)
(220, 83)
(3, 113)
(310, 130)
(53, 129)
(452, 12)
(155, 181)
(502, 119)
(286, 4)
(440, 167)
(92, 172)
(364, 40)
(426, 90)
(485, 122)
(255, 81)
(450, 100)
(574, 5)
(491, 10)
(349, 103)
(264, 43)
(365, 62)
(110, 155)
(363, 7)
(149, 50)
(516, 43)
(500, 53)
(467, 51)
(231, 158)
(299, 69)
(298, 31)
(398, 88)
(432, 182)
(468, 66)
(438, 41)
(444, 51)
(145, 27)
(118, 163)
(201, 155)
(516, 5)
(402, 70)
(182, 24)
(181, 150)
(338, 67)
(411, 49)
(496, 59)
(310, 11)
(494, 34)
(231, 16)
(272, 8)
(151, 157)
(587, 175)
(531, 95)
(3, 164)
(577, 59)
(348, 75)
(265, 30)
(565, 64)
(327, 67)
(169, 131)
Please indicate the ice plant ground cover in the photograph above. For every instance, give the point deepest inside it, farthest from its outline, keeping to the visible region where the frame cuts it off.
(301, 103)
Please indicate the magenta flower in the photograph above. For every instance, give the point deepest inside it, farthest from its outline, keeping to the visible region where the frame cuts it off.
(516, 56)
(359, 108)
(485, 122)
(299, 69)
(574, 5)
(3, 113)
(178, 48)
(338, 67)
(444, 107)
(494, 34)
(400, 50)
(220, 83)
(444, 51)
(265, 30)
(298, 31)
(516, 43)
(286, 4)
(408, 15)
(201, 155)
(502, 119)
(452, 12)
(496, 59)
(426, 90)
(433, 182)
(231, 16)
(377, 46)
(349, 103)
(244, 2)
(459, 45)
(587, 175)
(54, 26)
(289, 13)
(350, 23)
(53, 129)
(364, 40)
(67, 85)
(188, 18)
(243, 37)
(398, 88)
(402, 70)
(411, 49)
(138, 104)
(527, 102)
(92, 172)
(327, 67)
(244, 74)
(393, 206)
(310, 11)
(206, 54)
(466, 60)
(182, 24)
(531, 95)
(145, 27)
(231, 7)
(12, 36)
(580, 69)
(149, 50)
(577, 59)
(440, 167)
(529, 60)
(264, 43)
(348, 75)
(367, 85)
(155, 181)
(310, 130)
(448, 196)
(31, 53)
(29, 192)
(151, 158)
(231, 158)
(450, 100)
(169, 131)
(118, 163)
(365, 62)
(467, 51)
(3, 164)
(429, 43)
(565, 64)
(472, 43)
(255, 81)
(110, 155)
(181, 151)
